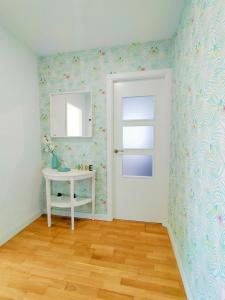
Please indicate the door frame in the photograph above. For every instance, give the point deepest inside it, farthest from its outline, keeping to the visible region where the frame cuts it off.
(111, 79)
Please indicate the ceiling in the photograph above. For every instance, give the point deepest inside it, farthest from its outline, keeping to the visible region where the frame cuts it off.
(50, 26)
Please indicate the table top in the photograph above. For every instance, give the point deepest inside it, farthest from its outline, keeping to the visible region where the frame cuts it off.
(73, 174)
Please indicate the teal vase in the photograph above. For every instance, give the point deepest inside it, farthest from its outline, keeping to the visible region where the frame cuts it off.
(55, 161)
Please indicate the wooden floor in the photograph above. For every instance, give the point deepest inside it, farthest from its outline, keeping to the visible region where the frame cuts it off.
(100, 260)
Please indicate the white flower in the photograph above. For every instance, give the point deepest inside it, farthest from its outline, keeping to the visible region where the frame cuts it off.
(48, 146)
(51, 147)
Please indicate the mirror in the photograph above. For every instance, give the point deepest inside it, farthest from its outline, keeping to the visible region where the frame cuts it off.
(71, 114)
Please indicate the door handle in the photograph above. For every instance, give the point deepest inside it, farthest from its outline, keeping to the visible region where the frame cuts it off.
(117, 151)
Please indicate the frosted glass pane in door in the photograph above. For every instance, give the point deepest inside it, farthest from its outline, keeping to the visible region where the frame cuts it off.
(137, 165)
(138, 108)
(138, 137)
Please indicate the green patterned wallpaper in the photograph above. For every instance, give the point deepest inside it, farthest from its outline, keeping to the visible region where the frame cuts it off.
(78, 70)
(197, 205)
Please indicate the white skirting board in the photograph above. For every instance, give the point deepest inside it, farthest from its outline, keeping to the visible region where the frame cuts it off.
(10, 234)
(81, 215)
(180, 265)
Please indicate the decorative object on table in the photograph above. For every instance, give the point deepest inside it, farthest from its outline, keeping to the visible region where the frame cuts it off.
(55, 161)
(83, 167)
(59, 196)
(50, 147)
(63, 169)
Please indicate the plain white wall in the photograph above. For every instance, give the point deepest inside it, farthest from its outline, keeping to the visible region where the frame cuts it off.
(20, 160)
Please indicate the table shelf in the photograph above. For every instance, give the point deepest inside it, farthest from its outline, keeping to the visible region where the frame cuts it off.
(65, 202)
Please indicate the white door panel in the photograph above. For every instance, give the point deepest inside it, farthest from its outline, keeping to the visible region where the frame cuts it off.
(141, 141)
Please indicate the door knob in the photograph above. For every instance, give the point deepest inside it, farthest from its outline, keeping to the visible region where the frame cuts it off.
(117, 151)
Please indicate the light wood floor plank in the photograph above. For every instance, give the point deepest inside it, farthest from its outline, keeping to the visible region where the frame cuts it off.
(121, 260)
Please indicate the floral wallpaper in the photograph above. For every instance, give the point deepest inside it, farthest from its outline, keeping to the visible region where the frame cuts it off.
(197, 176)
(197, 198)
(88, 69)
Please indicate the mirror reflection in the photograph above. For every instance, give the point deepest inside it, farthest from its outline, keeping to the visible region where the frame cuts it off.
(71, 114)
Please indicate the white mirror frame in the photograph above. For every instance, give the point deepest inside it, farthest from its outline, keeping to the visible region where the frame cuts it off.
(51, 114)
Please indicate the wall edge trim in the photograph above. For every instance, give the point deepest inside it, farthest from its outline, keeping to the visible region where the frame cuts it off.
(180, 265)
(11, 233)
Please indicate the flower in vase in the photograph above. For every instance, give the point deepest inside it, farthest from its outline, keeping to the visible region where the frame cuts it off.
(48, 145)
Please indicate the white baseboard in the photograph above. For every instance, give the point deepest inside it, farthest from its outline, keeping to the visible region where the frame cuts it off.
(180, 265)
(11, 233)
(66, 213)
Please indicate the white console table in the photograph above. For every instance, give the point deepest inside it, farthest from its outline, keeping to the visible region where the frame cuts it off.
(68, 202)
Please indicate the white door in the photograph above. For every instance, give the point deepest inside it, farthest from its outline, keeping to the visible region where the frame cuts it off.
(141, 150)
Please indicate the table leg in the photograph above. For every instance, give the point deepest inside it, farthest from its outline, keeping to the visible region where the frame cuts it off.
(48, 197)
(72, 200)
(93, 197)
